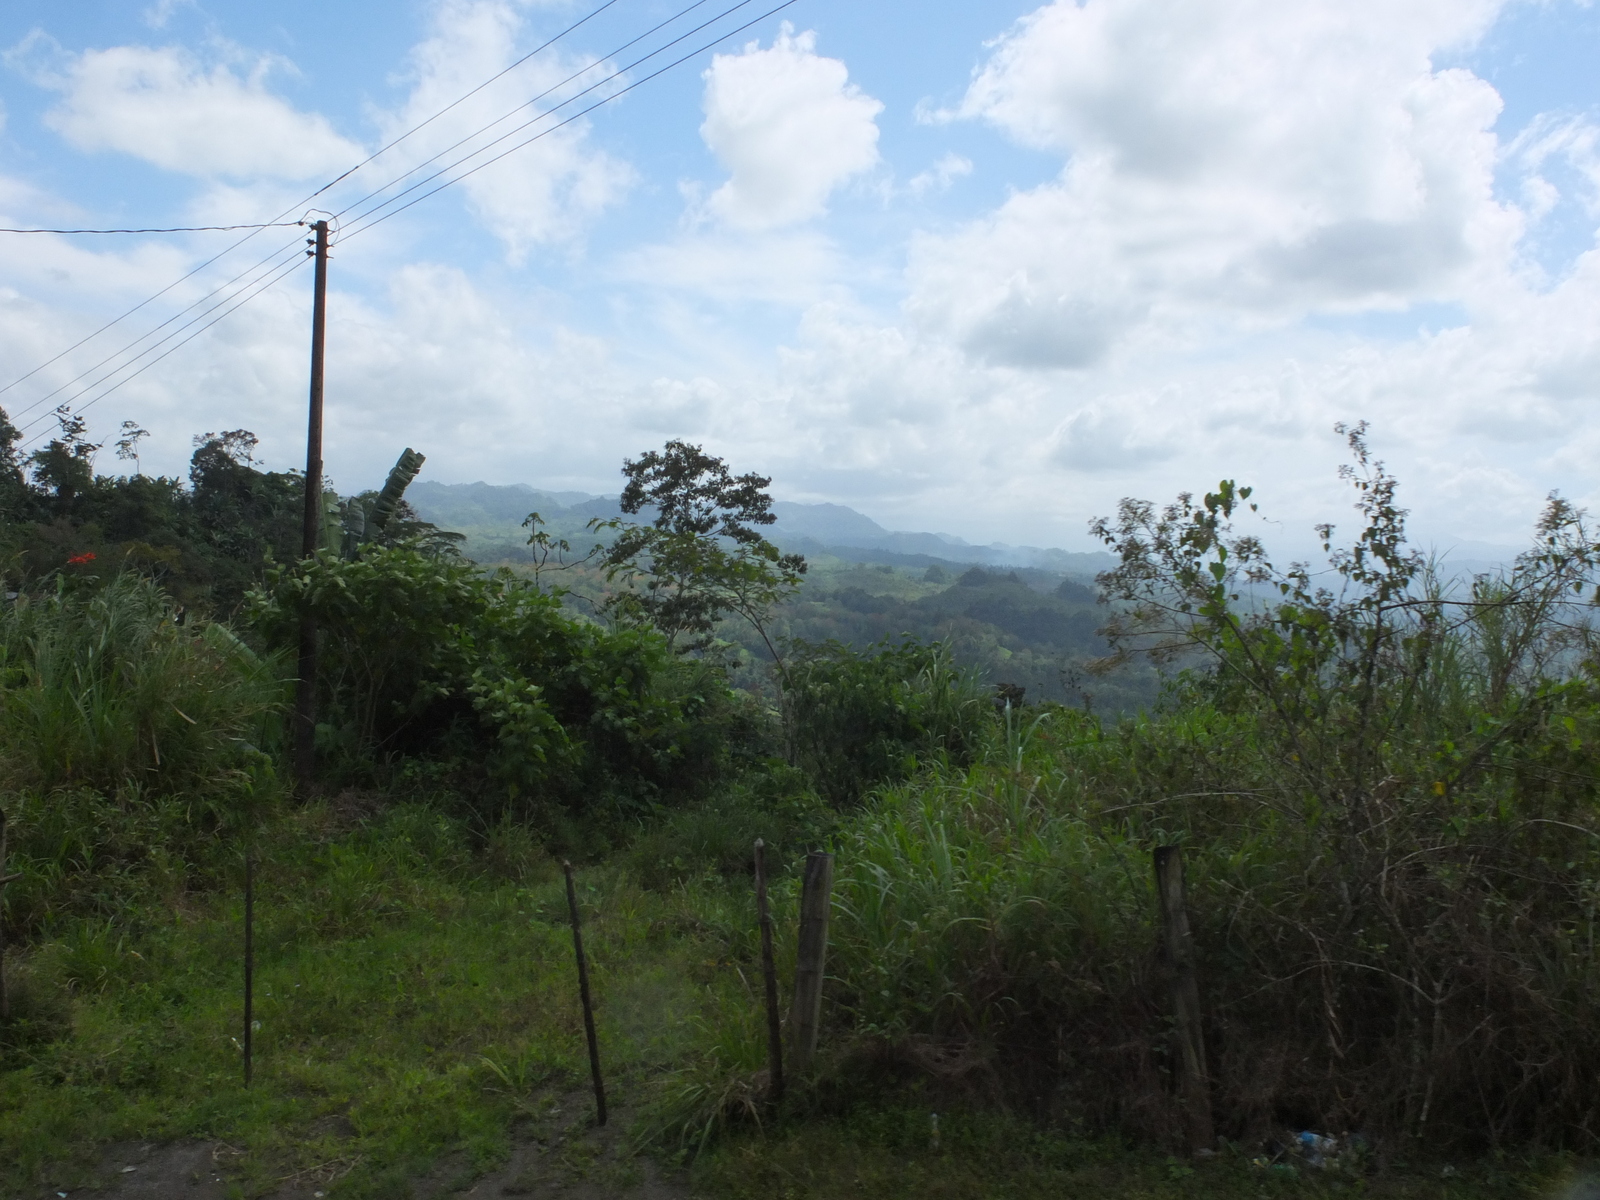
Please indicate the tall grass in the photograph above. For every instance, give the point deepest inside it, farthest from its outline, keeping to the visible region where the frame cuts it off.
(1426, 973)
(128, 737)
(110, 689)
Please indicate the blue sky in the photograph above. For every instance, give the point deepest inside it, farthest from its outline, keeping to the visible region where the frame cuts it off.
(981, 268)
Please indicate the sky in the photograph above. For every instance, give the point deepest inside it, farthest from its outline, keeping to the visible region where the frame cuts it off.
(983, 268)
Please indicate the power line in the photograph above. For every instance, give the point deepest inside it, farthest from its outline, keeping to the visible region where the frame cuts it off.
(21, 412)
(283, 270)
(289, 268)
(149, 333)
(545, 132)
(462, 99)
(118, 320)
(257, 229)
(169, 229)
(370, 195)
(271, 277)
(534, 100)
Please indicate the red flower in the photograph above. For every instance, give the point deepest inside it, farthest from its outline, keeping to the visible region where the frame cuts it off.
(78, 559)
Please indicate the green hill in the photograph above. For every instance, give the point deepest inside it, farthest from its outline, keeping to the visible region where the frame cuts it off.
(1033, 627)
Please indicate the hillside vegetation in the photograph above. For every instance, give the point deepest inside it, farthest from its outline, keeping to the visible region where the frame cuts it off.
(1383, 787)
(1029, 626)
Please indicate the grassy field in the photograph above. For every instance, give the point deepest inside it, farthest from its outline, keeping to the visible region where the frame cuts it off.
(418, 1007)
(415, 998)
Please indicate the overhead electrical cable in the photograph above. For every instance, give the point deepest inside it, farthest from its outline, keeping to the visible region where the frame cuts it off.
(147, 300)
(578, 74)
(283, 272)
(232, 303)
(167, 229)
(461, 99)
(21, 412)
(123, 350)
(126, 348)
(356, 229)
(227, 305)
(254, 230)
(557, 108)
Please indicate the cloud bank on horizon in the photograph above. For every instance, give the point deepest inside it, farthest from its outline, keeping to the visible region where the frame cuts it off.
(986, 277)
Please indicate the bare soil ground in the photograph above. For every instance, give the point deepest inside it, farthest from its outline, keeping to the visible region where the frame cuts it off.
(559, 1153)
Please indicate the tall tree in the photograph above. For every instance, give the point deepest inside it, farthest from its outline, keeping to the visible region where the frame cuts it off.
(701, 558)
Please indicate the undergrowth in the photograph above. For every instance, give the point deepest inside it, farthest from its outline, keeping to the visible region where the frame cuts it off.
(1385, 794)
(886, 1152)
(416, 999)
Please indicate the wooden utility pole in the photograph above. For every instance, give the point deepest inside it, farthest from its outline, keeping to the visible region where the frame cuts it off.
(305, 695)
(769, 976)
(816, 901)
(1178, 943)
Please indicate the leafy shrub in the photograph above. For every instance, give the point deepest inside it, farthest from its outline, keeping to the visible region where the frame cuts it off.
(1387, 798)
(426, 655)
(996, 928)
(206, 543)
(40, 1005)
(717, 836)
(858, 719)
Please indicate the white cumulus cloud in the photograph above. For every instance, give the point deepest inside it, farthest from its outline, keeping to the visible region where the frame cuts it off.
(166, 106)
(1237, 158)
(789, 126)
(546, 191)
(941, 175)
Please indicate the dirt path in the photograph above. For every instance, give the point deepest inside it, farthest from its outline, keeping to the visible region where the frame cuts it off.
(559, 1154)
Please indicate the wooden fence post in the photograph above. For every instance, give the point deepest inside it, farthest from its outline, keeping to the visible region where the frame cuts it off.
(583, 993)
(249, 957)
(769, 975)
(816, 900)
(5, 996)
(1193, 1081)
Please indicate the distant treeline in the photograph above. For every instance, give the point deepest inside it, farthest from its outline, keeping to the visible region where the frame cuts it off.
(206, 539)
(1028, 627)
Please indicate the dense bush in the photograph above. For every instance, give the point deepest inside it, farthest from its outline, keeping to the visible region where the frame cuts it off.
(1388, 802)
(206, 542)
(426, 655)
(1427, 977)
(857, 719)
(716, 837)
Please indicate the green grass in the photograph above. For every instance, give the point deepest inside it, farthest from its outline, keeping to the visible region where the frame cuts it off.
(410, 1006)
(113, 689)
(418, 1010)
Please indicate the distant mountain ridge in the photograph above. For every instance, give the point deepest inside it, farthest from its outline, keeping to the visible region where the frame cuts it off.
(488, 513)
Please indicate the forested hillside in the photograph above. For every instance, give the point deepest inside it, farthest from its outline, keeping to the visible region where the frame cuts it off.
(1030, 627)
(489, 515)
